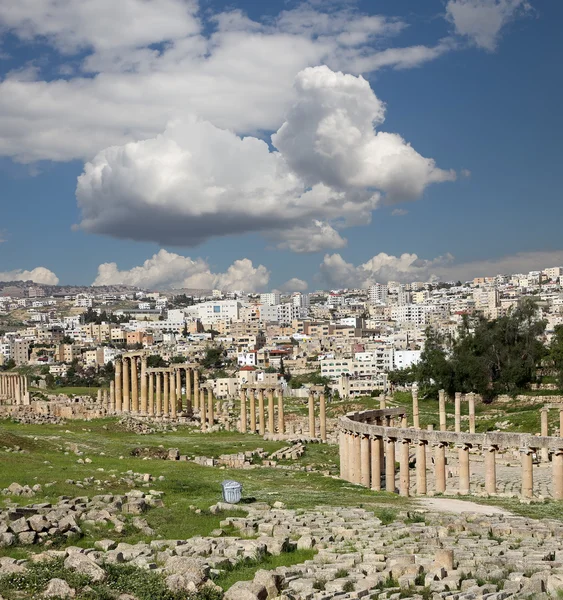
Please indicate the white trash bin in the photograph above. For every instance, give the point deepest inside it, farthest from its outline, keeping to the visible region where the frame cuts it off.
(232, 491)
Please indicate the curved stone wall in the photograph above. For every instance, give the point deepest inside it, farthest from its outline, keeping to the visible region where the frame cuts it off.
(372, 441)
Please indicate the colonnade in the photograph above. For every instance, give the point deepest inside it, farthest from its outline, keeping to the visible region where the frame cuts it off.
(369, 441)
(143, 391)
(253, 396)
(13, 389)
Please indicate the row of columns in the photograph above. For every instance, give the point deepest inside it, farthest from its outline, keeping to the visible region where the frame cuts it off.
(442, 410)
(14, 389)
(249, 394)
(147, 391)
(365, 459)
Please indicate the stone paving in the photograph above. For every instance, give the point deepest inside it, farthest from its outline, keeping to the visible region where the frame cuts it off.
(466, 556)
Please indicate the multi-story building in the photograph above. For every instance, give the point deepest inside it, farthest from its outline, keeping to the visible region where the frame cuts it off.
(378, 293)
(270, 298)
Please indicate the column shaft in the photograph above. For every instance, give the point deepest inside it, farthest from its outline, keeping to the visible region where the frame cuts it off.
(312, 433)
(243, 426)
(544, 452)
(126, 385)
(118, 385)
(458, 412)
(404, 479)
(343, 447)
(376, 445)
(166, 394)
(144, 386)
(202, 410)
(442, 409)
(357, 474)
(527, 473)
(252, 410)
(490, 470)
(261, 415)
(463, 453)
(365, 460)
(271, 415)
(173, 406)
(158, 405)
(322, 416)
(471, 401)
(150, 392)
(390, 465)
(210, 407)
(558, 474)
(134, 386)
(440, 467)
(415, 413)
(281, 415)
(421, 468)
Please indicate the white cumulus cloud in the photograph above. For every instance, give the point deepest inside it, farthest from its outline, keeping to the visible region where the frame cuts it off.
(134, 65)
(294, 285)
(195, 181)
(482, 20)
(337, 273)
(37, 275)
(169, 270)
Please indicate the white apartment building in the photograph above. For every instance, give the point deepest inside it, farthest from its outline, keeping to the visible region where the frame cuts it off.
(409, 313)
(377, 293)
(270, 298)
(402, 359)
(335, 367)
(300, 300)
(553, 273)
(211, 312)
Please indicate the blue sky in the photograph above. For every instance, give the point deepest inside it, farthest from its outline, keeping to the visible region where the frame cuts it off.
(481, 100)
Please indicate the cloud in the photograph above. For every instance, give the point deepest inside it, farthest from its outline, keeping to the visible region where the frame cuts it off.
(318, 236)
(37, 275)
(196, 180)
(169, 270)
(482, 20)
(133, 70)
(73, 25)
(335, 272)
(295, 285)
(399, 212)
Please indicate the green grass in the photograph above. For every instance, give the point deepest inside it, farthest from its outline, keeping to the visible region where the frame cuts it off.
(245, 571)
(46, 459)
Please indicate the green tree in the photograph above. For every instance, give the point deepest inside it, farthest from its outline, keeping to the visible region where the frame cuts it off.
(50, 381)
(213, 357)
(555, 355)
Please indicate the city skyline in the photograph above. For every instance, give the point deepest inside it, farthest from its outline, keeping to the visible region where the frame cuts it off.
(293, 147)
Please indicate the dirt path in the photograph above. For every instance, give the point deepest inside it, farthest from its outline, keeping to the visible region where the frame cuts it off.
(458, 506)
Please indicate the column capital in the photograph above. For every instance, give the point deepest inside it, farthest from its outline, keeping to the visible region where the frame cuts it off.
(464, 446)
(526, 450)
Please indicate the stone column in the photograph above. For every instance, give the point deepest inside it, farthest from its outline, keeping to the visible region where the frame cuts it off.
(105, 400)
(189, 390)
(561, 422)
(365, 461)
(150, 399)
(99, 396)
(210, 413)
(166, 394)
(421, 467)
(281, 415)
(440, 466)
(112, 397)
(415, 413)
(134, 386)
(179, 400)
(144, 397)
(490, 469)
(442, 409)
(343, 447)
(527, 472)
(558, 474)
(471, 401)
(350, 454)
(271, 410)
(463, 453)
(390, 465)
(544, 452)
(458, 412)
(382, 402)
(118, 386)
(243, 427)
(158, 406)
(202, 409)
(196, 389)
(173, 400)
(322, 416)
(261, 415)
(376, 445)
(252, 396)
(404, 421)
(357, 473)
(126, 385)
(404, 479)
(312, 433)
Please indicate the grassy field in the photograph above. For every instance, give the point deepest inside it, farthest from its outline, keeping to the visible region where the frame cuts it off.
(49, 456)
